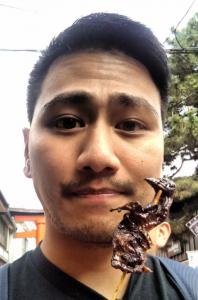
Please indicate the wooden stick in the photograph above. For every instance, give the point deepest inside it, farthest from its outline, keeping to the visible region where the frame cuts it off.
(119, 286)
(157, 197)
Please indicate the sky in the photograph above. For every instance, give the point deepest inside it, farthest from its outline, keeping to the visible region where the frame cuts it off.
(31, 25)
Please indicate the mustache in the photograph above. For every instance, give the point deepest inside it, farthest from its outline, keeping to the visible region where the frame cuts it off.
(69, 188)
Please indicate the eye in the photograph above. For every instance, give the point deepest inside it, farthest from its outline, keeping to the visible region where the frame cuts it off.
(130, 125)
(67, 123)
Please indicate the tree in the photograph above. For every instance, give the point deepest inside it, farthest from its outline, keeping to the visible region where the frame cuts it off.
(185, 204)
(181, 128)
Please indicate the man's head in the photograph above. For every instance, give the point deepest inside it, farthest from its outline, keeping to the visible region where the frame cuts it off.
(96, 130)
(104, 32)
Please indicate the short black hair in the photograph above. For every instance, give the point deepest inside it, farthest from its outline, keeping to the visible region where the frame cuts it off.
(106, 32)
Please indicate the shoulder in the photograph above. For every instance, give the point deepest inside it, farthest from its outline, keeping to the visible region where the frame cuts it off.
(172, 265)
(18, 267)
(185, 276)
(20, 262)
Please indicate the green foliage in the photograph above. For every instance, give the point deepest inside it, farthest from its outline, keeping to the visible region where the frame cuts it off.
(181, 128)
(185, 204)
(178, 225)
(186, 188)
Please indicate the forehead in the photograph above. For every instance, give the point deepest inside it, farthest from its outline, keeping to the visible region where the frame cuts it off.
(100, 74)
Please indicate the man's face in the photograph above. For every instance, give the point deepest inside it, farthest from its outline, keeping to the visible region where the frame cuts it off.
(95, 135)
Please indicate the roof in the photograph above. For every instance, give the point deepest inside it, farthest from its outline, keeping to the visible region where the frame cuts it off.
(5, 214)
(25, 212)
(3, 203)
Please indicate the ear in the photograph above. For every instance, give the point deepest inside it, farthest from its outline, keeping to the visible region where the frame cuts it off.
(160, 234)
(26, 169)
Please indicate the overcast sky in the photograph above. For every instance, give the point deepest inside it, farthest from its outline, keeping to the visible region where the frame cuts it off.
(30, 24)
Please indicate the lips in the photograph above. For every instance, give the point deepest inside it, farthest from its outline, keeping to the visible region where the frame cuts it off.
(96, 192)
(100, 198)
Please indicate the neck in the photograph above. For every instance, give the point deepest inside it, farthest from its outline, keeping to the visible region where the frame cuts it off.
(88, 263)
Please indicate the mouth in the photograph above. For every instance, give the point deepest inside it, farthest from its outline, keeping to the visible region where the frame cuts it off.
(101, 197)
(86, 192)
(98, 194)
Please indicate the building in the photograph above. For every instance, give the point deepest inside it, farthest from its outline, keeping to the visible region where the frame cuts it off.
(7, 230)
(183, 247)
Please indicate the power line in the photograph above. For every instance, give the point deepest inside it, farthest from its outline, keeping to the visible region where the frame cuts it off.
(182, 50)
(171, 51)
(15, 7)
(185, 14)
(19, 50)
(175, 30)
(182, 18)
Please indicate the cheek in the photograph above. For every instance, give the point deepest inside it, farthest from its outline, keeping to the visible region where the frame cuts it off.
(52, 159)
(51, 163)
(145, 159)
(153, 160)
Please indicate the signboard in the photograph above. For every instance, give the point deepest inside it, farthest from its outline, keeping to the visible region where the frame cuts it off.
(193, 258)
(174, 249)
(193, 225)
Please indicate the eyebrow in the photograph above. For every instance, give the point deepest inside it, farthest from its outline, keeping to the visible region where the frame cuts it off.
(73, 99)
(132, 101)
(84, 101)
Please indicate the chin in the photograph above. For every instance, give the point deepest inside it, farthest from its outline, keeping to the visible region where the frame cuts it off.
(89, 232)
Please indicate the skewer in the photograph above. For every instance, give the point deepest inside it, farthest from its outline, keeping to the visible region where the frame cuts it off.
(121, 281)
(119, 286)
(157, 197)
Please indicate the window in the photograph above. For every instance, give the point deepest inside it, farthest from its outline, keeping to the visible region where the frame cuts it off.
(3, 233)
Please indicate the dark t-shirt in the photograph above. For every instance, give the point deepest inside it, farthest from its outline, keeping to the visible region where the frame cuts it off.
(33, 277)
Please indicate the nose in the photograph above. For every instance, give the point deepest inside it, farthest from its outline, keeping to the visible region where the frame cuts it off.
(98, 153)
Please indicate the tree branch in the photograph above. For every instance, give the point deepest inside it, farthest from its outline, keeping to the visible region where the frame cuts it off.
(177, 171)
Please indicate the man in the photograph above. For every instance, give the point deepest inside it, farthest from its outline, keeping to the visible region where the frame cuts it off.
(96, 104)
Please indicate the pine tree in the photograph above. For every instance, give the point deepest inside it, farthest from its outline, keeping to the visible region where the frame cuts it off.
(182, 122)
